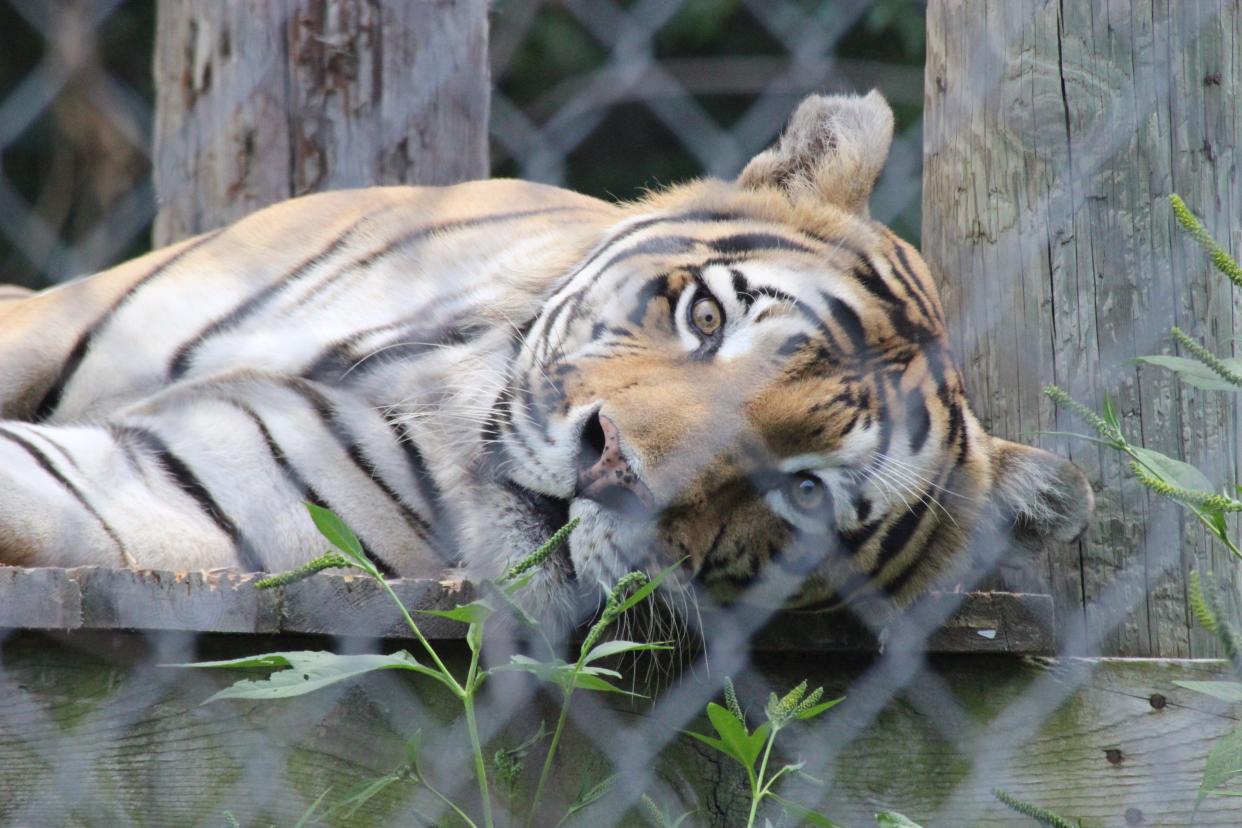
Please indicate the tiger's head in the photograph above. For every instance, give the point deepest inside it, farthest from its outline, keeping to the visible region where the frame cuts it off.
(755, 377)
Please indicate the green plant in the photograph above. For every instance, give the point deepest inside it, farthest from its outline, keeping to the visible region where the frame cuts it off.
(1041, 815)
(750, 748)
(1187, 485)
(300, 672)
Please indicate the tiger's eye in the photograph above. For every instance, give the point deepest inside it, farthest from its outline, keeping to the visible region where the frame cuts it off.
(807, 492)
(707, 316)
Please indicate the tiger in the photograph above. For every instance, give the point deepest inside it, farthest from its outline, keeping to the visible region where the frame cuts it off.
(749, 379)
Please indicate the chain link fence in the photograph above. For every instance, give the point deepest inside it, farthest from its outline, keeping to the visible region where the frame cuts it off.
(603, 96)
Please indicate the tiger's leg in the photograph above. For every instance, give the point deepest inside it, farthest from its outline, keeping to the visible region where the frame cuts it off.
(213, 474)
(78, 496)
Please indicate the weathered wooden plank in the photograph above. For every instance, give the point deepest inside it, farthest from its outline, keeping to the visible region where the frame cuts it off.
(119, 599)
(100, 598)
(357, 605)
(92, 732)
(1054, 133)
(260, 101)
(984, 622)
(39, 599)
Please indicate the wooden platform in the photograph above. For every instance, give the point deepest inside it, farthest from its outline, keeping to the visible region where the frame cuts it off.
(99, 598)
(95, 730)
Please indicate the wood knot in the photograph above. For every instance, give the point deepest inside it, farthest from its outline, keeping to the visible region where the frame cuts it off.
(1157, 701)
(1134, 816)
(1113, 755)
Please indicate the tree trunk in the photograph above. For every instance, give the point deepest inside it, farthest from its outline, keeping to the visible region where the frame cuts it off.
(260, 100)
(1055, 132)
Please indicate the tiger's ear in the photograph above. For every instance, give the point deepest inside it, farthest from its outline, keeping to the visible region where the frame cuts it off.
(1046, 497)
(833, 149)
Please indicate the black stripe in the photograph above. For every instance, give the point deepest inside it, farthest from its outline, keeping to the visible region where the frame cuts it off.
(853, 540)
(804, 309)
(908, 281)
(847, 319)
(683, 244)
(899, 534)
(338, 359)
(871, 281)
(180, 361)
(691, 217)
(886, 421)
(180, 473)
(308, 492)
(326, 412)
(442, 525)
(741, 290)
(660, 245)
(652, 289)
(51, 399)
(419, 234)
(755, 243)
(918, 419)
(50, 469)
(793, 344)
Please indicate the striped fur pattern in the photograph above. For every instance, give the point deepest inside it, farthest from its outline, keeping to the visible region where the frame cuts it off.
(767, 366)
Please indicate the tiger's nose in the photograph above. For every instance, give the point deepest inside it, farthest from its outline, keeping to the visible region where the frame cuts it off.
(605, 475)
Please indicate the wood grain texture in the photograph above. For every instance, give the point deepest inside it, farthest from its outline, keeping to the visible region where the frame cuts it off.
(102, 598)
(1054, 133)
(258, 101)
(94, 732)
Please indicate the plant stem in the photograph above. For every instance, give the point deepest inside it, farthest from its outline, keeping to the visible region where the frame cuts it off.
(556, 740)
(450, 803)
(452, 682)
(480, 768)
(757, 789)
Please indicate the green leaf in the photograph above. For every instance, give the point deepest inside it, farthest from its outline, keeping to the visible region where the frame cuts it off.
(1110, 413)
(1195, 373)
(589, 796)
(711, 742)
(892, 819)
(474, 637)
(476, 612)
(339, 535)
(611, 648)
(564, 675)
(743, 746)
(586, 681)
(362, 793)
(304, 820)
(307, 671)
(812, 712)
(1226, 691)
(651, 586)
(1223, 764)
(804, 813)
(413, 746)
(1174, 471)
(503, 601)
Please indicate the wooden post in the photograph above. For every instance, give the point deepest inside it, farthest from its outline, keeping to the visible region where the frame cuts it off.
(1055, 132)
(260, 100)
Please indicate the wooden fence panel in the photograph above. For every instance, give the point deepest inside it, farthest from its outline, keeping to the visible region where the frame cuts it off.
(1055, 132)
(257, 101)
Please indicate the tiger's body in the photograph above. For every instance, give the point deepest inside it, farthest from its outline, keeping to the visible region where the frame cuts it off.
(751, 375)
